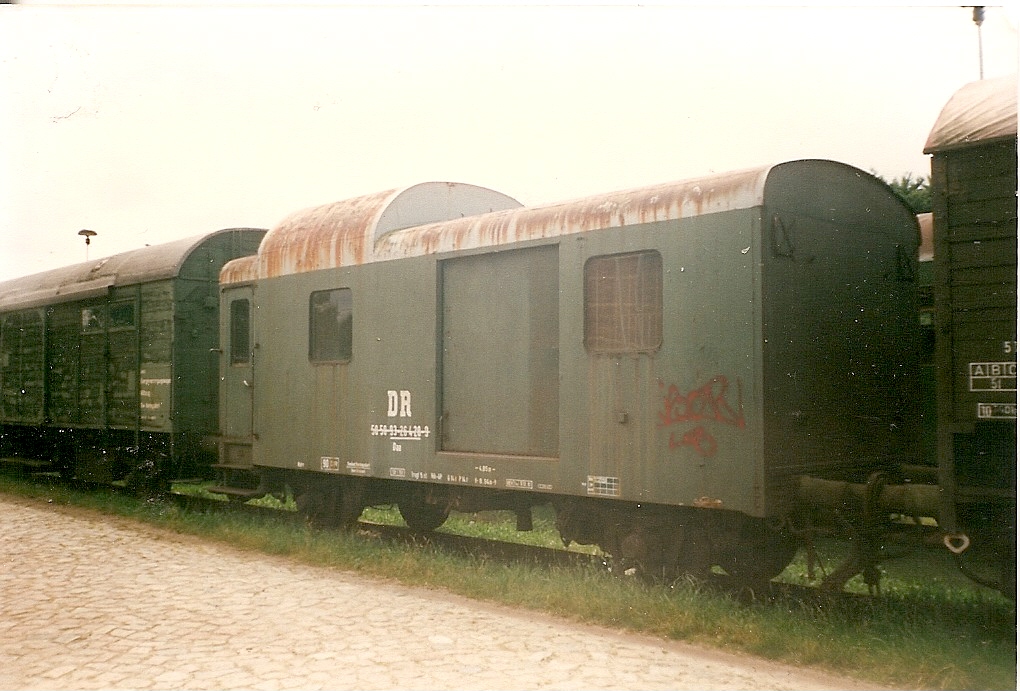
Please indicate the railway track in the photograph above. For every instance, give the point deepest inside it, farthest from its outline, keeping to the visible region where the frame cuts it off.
(510, 552)
(506, 552)
(451, 542)
(501, 551)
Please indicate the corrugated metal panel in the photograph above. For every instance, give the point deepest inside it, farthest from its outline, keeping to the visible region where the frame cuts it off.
(95, 278)
(980, 111)
(355, 231)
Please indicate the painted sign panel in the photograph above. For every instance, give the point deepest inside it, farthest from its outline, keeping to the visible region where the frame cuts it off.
(993, 376)
(154, 394)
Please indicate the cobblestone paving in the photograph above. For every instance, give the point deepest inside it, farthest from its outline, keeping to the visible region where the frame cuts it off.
(93, 602)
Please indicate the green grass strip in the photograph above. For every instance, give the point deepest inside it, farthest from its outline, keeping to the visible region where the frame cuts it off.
(928, 630)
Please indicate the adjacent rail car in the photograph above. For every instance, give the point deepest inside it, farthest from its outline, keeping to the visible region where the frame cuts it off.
(109, 366)
(926, 320)
(663, 365)
(973, 147)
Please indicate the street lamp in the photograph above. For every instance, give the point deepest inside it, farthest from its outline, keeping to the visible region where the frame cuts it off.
(88, 235)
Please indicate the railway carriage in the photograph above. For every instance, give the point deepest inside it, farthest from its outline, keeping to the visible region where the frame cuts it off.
(660, 364)
(973, 147)
(108, 369)
(697, 374)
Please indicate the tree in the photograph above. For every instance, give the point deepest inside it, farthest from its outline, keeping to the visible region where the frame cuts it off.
(915, 191)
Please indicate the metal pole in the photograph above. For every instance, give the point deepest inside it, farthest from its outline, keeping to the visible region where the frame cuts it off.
(979, 18)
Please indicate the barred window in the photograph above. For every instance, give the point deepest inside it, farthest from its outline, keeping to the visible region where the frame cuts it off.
(122, 315)
(330, 325)
(240, 332)
(623, 303)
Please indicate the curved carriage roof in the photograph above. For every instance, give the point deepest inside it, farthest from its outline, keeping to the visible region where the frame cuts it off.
(663, 202)
(343, 233)
(96, 277)
(982, 111)
(384, 226)
(351, 232)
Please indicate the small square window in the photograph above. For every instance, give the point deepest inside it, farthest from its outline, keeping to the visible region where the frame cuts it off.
(93, 318)
(122, 315)
(623, 303)
(330, 325)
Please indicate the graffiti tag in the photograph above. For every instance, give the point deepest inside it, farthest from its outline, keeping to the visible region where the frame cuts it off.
(707, 403)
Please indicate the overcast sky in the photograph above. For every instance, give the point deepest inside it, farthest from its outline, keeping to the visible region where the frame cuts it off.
(148, 123)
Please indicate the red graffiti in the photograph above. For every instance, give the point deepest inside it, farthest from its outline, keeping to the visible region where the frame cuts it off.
(699, 439)
(705, 404)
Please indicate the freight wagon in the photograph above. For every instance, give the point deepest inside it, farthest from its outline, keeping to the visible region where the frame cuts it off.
(662, 365)
(973, 147)
(109, 368)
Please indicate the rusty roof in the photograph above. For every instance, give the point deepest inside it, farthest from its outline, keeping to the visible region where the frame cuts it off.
(685, 199)
(344, 233)
(240, 270)
(355, 231)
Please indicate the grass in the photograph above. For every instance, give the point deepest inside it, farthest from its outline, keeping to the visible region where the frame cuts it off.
(930, 629)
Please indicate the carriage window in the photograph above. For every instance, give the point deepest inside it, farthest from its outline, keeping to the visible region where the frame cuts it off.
(93, 318)
(623, 303)
(240, 332)
(122, 315)
(330, 322)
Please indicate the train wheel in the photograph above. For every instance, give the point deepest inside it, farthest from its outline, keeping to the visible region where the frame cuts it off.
(750, 551)
(148, 477)
(659, 546)
(319, 503)
(330, 502)
(422, 515)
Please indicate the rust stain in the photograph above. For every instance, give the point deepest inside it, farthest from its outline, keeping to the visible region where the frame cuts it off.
(645, 205)
(331, 235)
(343, 233)
(241, 270)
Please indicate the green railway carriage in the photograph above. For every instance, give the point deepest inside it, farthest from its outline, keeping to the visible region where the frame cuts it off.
(973, 147)
(109, 366)
(660, 364)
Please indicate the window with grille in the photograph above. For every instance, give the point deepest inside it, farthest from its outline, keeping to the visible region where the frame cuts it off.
(623, 303)
(330, 324)
(122, 314)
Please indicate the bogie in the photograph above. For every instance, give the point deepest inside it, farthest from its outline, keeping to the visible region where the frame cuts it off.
(421, 511)
(666, 543)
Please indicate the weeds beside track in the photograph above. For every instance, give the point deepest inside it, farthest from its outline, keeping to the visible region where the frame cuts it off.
(927, 630)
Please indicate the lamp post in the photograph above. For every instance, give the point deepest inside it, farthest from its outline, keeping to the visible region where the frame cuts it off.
(88, 235)
(979, 18)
